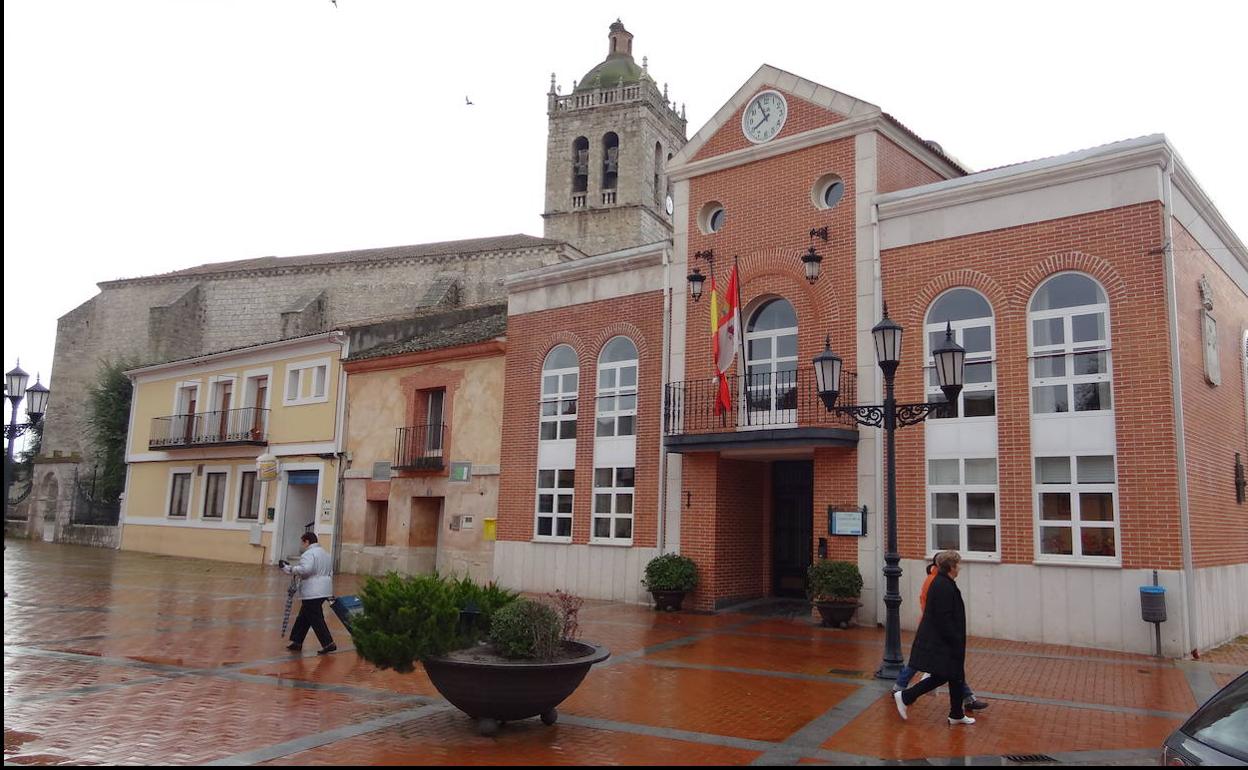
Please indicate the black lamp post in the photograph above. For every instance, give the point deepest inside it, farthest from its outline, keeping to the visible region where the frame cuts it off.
(15, 390)
(950, 357)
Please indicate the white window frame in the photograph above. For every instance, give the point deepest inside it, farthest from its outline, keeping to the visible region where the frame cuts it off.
(617, 391)
(554, 515)
(1067, 349)
(261, 489)
(177, 408)
(934, 393)
(962, 488)
(613, 493)
(249, 387)
(559, 398)
(202, 503)
(308, 397)
(774, 415)
(1075, 524)
(190, 493)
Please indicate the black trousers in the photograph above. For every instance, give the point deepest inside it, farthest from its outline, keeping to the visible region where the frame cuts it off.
(312, 615)
(910, 695)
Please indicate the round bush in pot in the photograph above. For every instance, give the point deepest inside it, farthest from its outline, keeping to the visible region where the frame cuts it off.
(668, 578)
(498, 658)
(834, 587)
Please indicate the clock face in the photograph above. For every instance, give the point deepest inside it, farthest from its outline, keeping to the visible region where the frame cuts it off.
(667, 204)
(764, 116)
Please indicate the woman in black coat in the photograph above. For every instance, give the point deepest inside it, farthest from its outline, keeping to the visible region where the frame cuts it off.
(939, 646)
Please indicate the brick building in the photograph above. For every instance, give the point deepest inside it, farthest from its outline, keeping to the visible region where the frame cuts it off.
(1103, 302)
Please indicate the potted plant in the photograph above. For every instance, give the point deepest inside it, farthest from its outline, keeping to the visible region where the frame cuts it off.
(668, 578)
(494, 656)
(834, 587)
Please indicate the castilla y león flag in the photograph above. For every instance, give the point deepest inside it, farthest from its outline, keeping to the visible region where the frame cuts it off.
(725, 336)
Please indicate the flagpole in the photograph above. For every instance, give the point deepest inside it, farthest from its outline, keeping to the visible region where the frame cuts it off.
(745, 362)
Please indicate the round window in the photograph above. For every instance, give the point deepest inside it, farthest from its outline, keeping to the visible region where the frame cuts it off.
(712, 217)
(832, 195)
(827, 191)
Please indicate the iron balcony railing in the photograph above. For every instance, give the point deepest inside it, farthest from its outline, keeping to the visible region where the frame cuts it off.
(420, 447)
(767, 400)
(231, 426)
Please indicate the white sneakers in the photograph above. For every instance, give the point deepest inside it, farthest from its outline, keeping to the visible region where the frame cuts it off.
(901, 705)
(962, 721)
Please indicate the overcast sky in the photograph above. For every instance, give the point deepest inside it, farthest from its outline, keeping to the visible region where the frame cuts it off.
(142, 137)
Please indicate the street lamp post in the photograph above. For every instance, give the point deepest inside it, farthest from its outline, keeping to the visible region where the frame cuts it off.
(15, 390)
(890, 415)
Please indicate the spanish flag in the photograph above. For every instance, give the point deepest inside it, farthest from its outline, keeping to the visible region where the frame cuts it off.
(725, 335)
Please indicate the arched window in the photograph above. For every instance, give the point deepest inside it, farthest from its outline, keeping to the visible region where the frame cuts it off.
(556, 473)
(1076, 488)
(970, 316)
(580, 165)
(615, 445)
(559, 387)
(962, 475)
(1068, 334)
(617, 389)
(610, 160)
(771, 364)
(658, 172)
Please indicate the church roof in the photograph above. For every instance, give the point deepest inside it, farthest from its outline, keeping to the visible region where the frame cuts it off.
(391, 253)
(490, 323)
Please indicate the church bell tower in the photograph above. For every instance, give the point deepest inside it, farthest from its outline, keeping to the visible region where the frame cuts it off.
(608, 144)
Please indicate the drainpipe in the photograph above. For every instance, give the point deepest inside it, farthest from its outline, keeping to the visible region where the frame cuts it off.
(1176, 375)
(667, 348)
(340, 429)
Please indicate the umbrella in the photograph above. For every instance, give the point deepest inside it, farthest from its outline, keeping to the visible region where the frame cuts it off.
(290, 600)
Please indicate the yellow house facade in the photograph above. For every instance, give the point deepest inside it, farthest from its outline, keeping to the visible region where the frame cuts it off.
(424, 438)
(195, 485)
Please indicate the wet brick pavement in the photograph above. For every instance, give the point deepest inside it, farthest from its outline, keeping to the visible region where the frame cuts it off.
(124, 658)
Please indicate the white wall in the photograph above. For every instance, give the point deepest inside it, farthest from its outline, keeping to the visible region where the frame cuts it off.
(1078, 606)
(589, 571)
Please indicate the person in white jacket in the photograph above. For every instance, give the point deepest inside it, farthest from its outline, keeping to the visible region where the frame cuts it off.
(316, 570)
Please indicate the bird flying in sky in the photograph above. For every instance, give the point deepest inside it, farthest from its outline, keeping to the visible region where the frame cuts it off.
(467, 101)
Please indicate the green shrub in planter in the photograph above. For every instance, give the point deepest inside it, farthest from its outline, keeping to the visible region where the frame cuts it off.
(671, 572)
(405, 619)
(486, 600)
(526, 629)
(830, 581)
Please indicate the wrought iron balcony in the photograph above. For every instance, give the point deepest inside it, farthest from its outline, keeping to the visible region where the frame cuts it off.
(419, 447)
(229, 427)
(772, 400)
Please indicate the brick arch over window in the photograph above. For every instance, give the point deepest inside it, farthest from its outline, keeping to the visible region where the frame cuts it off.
(554, 340)
(915, 313)
(1103, 272)
(620, 329)
(780, 267)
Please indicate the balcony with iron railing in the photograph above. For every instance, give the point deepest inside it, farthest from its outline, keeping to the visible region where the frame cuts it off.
(768, 409)
(420, 447)
(228, 427)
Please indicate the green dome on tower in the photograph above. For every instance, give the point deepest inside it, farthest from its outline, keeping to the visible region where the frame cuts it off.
(618, 67)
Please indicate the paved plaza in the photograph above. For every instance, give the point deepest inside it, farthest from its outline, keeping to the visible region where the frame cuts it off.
(113, 657)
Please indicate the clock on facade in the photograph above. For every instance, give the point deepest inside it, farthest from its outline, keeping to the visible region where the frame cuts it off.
(668, 205)
(764, 116)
